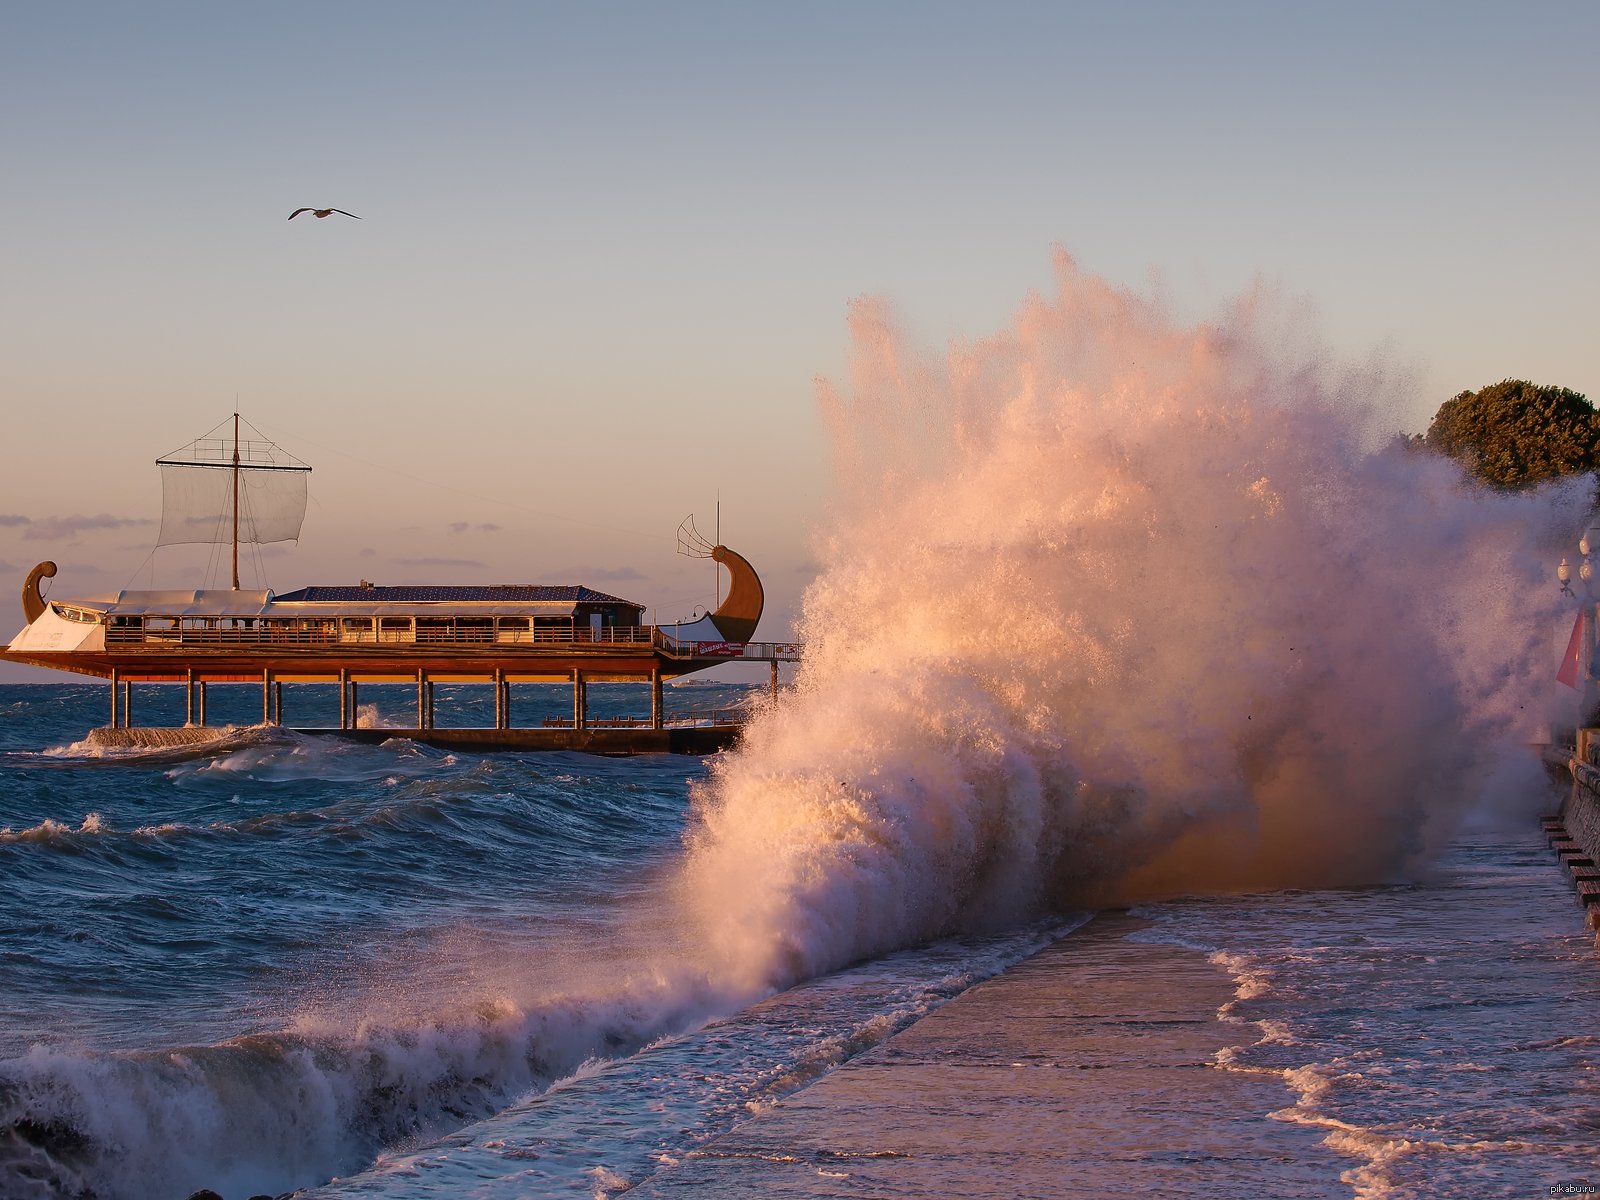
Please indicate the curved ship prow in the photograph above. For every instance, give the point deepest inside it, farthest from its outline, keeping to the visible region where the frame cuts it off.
(739, 613)
(32, 597)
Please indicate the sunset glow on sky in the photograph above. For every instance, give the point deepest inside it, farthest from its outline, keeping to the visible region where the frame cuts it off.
(605, 251)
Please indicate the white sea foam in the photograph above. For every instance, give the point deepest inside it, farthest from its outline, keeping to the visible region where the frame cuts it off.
(284, 1110)
(51, 830)
(368, 717)
(1251, 979)
(1114, 608)
(155, 745)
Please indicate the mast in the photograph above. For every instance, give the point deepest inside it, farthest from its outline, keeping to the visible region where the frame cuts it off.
(236, 502)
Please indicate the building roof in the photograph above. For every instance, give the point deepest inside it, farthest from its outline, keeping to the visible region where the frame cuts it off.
(505, 593)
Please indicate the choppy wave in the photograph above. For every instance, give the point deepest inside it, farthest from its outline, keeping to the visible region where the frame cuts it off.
(417, 780)
(417, 939)
(146, 747)
(327, 1095)
(50, 831)
(422, 809)
(280, 1111)
(680, 1093)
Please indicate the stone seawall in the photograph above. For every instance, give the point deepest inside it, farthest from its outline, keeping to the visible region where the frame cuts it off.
(1580, 814)
(1574, 833)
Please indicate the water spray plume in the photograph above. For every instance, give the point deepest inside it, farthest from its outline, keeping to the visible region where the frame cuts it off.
(1114, 608)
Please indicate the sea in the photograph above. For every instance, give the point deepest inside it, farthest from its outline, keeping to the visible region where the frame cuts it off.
(281, 963)
(275, 960)
(1113, 608)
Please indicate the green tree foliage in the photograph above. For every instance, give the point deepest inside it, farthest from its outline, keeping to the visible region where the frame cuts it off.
(1515, 434)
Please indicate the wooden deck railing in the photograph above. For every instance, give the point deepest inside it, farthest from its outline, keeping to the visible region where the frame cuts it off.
(165, 637)
(168, 633)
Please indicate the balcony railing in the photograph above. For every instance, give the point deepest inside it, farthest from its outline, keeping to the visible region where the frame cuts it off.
(169, 633)
(166, 636)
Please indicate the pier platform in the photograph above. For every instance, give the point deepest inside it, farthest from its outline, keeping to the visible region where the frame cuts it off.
(619, 740)
(1072, 1074)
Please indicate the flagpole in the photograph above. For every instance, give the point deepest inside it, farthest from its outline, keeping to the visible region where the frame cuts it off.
(1578, 665)
(236, 502)
(1586, 666)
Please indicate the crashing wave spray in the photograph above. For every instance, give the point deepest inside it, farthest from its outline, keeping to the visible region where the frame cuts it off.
(1114, 608)
(284, 1110)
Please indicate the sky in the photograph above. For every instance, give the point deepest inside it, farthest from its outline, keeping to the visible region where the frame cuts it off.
(606, 251)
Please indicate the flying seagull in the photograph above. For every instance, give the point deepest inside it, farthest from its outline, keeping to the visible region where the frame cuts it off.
(321, 212)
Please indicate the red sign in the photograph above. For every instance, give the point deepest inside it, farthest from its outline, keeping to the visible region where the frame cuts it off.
(719, 649)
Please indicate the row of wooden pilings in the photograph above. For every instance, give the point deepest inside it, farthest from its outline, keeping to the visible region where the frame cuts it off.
(272, 700)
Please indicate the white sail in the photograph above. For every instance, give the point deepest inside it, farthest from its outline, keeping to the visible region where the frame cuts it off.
(199, 482)
(197, 504)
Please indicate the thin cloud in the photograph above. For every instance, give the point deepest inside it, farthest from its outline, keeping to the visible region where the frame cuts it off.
(610, 574)
(40, 529)
(439, 562)
(457, 527)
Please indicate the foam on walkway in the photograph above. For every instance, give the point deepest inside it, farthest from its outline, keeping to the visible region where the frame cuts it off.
(1076, 1073)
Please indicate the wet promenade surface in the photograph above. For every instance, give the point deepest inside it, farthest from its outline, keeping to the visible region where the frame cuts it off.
(1080, 1072)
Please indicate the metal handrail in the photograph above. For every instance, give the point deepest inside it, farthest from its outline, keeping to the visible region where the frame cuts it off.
(696, 719)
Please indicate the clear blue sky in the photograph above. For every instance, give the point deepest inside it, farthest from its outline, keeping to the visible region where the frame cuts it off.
(605, 249)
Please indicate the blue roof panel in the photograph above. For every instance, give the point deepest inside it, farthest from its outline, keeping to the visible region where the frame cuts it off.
(504, 593)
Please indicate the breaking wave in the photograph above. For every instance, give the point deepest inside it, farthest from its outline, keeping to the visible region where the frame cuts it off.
(1113, 608)
(281, 1111)
(52, 832)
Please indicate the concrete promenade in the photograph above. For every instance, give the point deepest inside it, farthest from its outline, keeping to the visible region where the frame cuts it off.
(1083, 1071)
